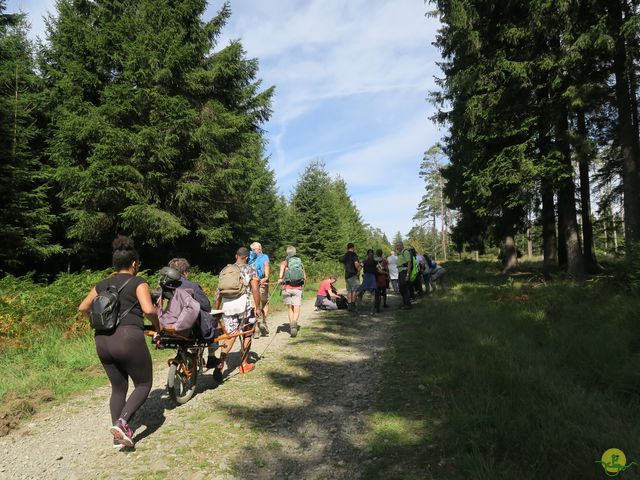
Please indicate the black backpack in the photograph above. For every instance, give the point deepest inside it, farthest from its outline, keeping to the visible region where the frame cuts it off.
(104, 312)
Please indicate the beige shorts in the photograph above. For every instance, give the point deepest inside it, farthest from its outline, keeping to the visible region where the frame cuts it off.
(264, 294)
(292, 296)
(352, 284)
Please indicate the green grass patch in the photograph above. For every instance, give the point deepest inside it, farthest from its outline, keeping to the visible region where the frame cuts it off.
(510, 377)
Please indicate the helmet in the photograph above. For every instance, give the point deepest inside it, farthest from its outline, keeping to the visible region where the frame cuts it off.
(169, 277)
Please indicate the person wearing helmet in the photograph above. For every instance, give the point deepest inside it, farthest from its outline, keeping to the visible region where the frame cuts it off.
(177, 308)
(207, 322)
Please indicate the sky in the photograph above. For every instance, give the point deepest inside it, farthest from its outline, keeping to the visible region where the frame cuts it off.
(352, 79)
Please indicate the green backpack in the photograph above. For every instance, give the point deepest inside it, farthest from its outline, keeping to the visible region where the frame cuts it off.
(415, 268)
(294, 275)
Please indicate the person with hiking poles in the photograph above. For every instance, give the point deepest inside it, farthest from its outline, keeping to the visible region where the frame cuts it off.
(292, 276)
(115, 307)
(238, 292)
(405, 264)
(263, 267)
(352, 268)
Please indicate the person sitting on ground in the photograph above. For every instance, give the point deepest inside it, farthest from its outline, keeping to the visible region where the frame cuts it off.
(352, 268)
(261, 261)
(292, 276)
(436, 275)
(237, 287)
(429, 264)
(123, 351)
(369, 282)
(382, 279)
(325, 295)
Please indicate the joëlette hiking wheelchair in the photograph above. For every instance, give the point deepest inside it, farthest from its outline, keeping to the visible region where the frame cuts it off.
(189, 361)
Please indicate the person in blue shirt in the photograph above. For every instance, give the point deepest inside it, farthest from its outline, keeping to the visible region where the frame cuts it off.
(261, 261)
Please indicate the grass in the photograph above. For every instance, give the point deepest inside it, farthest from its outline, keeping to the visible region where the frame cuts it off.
(509, 377)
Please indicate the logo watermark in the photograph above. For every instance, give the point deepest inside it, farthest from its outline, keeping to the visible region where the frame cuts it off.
(614, 461)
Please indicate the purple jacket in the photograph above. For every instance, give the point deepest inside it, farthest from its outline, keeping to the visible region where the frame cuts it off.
(182, 311)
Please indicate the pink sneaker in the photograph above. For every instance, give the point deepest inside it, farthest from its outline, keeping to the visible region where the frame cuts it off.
(122, 433)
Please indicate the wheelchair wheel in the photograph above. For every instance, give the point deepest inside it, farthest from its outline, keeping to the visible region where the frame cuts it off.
(182, 378)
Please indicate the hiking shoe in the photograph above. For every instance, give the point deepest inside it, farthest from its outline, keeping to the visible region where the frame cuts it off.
(264, 329)
(122, 432)
(116, 444)
(247, 367)
(256, 331)
(211, 362)
(293, 330)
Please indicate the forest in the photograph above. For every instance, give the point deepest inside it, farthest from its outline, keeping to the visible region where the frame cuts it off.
(131, 118)
(539, 102)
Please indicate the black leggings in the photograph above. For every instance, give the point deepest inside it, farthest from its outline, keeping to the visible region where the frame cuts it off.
(125, 354)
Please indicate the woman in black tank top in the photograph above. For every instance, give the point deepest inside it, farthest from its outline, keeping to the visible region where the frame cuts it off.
(123, 352)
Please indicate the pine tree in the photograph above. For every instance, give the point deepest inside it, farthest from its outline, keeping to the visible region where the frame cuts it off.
(25, 217)
(155, 134)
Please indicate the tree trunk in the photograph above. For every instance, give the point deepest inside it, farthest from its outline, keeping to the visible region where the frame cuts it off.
(584, 159)
(476, 255)
(549, 237)
(567, 205)
(510, 259)
(615, 236)
(529, 244)
(628, 144)
(562, 243)
(443, 217)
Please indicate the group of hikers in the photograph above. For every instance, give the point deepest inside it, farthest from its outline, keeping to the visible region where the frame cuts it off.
(405, 273)
(116, 308)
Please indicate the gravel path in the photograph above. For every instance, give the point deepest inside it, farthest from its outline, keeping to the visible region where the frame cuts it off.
(302, 413)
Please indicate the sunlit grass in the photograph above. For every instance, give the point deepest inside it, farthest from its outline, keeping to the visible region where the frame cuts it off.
(511, 378)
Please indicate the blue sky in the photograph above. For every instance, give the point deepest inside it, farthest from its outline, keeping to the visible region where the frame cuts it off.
(351, 77)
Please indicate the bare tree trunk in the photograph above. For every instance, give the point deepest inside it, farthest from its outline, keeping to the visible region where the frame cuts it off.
(584, 159)
(606, 240)
(443, 217)
(567, 205)
(477, 255)
(529, 244)
(615, 236)
(15, 116)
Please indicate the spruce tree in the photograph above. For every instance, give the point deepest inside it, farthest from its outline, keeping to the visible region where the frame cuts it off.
(25, 217)
(156, 133)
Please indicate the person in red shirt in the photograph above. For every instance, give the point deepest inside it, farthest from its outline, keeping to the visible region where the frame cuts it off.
(325, 295)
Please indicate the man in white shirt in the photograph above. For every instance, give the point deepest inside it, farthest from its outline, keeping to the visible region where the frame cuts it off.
(393, 271)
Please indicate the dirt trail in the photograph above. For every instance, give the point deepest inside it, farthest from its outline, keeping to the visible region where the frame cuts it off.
(300, 414)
